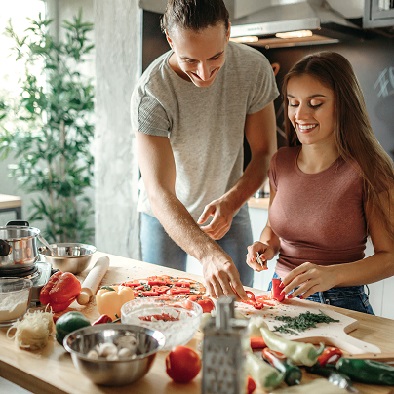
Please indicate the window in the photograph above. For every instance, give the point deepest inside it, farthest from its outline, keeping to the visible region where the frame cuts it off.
(11, 71)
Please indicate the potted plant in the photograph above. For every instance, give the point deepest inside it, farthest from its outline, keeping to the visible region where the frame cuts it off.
(52, 128)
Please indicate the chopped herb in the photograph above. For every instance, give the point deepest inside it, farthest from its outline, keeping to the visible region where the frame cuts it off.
(302, 322)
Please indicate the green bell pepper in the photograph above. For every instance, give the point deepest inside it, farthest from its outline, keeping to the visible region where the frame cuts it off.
(366, 371)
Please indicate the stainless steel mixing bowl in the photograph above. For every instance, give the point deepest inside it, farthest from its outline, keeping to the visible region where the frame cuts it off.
(113, 372)
(69, 257)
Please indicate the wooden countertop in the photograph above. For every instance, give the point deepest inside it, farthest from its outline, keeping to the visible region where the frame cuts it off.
(259, 203)
(51, 370)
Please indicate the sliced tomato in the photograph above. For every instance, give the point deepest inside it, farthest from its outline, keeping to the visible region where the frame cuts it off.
(160, 289)
(179, 290)
(149, 293)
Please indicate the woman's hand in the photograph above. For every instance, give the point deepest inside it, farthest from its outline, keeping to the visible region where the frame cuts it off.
(265, 253)
(309, 278)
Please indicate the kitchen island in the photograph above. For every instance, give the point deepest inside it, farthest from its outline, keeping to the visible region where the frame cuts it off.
(52, 371)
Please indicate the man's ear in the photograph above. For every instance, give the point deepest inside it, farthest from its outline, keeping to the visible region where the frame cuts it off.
(228, 31)
(169, 40)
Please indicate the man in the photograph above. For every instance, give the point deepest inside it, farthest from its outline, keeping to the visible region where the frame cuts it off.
(191, 110)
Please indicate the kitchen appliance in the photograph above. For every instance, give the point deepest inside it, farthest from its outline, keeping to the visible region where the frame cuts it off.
(39, 275)
(223, 357)
(19, 257)
(18, 246)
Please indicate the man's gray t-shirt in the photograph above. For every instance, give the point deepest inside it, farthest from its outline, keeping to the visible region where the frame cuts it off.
(205, 125)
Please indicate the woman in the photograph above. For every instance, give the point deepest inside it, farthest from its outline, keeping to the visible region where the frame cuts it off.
(331, 189)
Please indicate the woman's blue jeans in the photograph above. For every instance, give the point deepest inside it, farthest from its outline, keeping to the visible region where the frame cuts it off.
(353, 298)
(158, 248)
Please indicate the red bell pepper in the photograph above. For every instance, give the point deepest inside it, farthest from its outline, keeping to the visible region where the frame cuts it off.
(258, 304)
(276, 291)
(60, 291)
(102, 320)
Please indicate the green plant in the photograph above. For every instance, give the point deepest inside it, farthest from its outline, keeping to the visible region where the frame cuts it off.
(52, 128)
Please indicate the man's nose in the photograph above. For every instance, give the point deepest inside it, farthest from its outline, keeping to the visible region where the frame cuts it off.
(203, 71)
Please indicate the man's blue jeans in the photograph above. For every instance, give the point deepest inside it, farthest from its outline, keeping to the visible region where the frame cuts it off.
(158, 248)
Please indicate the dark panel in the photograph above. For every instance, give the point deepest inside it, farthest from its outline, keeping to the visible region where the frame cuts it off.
(154, 42)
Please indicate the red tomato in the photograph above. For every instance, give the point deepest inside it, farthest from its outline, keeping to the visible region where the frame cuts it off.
(205, 302)
(183, 364)
(251, 385)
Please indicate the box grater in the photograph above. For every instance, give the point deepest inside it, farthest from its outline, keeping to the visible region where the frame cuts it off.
(224, 344)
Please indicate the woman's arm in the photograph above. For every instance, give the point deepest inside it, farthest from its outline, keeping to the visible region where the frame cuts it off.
(268, 245)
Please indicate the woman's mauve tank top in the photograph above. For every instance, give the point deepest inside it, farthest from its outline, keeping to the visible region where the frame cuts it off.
(319, 218)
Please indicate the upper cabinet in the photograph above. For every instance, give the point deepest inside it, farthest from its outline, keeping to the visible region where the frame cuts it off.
(378, 13)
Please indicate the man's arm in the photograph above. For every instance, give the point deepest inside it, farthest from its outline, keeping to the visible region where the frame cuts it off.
(260, 131)
(158, 171)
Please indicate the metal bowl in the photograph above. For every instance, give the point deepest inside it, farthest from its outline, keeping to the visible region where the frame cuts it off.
(113, 372)
(69, 257)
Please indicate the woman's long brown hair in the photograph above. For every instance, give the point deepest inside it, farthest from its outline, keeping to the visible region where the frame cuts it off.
(354, 136)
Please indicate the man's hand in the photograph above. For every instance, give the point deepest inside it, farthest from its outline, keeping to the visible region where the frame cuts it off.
(222, 277)
(222, 216)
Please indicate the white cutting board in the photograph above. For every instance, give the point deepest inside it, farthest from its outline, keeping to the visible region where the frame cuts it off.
(334, 334)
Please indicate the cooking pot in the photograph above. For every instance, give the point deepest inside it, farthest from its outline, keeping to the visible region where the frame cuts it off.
(18, 246)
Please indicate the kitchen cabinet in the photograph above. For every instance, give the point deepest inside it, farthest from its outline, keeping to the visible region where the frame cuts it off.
(378, 13)
(381, 293)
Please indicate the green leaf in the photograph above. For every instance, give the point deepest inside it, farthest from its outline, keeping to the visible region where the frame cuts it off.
(52, 136)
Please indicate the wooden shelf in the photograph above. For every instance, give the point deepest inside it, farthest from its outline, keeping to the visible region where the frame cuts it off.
(10, 203)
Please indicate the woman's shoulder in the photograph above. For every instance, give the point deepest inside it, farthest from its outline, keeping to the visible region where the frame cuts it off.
(286, 152)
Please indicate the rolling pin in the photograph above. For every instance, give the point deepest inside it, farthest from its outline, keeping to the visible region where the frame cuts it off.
(92, 281)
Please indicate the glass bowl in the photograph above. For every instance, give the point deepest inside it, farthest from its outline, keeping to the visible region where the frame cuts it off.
(14, 299)
(177, 319)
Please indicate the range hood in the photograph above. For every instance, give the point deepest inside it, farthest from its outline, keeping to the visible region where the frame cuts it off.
(258, 21)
